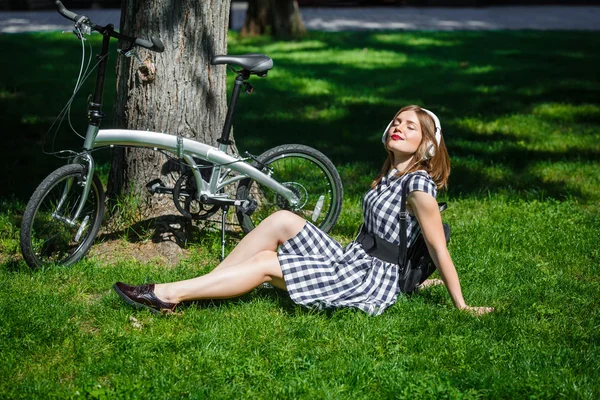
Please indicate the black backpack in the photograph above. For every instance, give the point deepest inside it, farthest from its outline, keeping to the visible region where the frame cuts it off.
(415, 262)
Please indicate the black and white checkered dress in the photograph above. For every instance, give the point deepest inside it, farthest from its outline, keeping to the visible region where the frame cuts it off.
(320, 273)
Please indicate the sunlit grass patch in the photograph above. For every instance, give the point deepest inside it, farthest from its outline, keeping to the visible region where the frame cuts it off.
(562, 112)
(35, 119)
(494, 89)
(8, 95)
(308, 86)
(364, 58)
(535, 261)
(480, 69)
(536, 132)
(579, 178)
(415, 40)
(490, 172)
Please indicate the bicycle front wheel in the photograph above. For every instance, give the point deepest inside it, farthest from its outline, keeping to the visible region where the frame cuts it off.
(305, 171)
(50, 234)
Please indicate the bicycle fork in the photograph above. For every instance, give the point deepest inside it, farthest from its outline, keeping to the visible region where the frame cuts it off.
(86, 185)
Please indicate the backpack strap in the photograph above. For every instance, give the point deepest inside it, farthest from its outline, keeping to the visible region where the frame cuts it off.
(388, 251)
(403, 216)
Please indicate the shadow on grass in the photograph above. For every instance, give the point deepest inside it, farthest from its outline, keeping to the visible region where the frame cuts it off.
(274, 295)
(461, 75)
(279, 297)
(337, 91)
(34, 87)
(282, 299)
(158, 229)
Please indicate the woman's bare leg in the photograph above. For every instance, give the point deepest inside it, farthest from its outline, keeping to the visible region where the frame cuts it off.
(252, 262)
(224, 283)
(268, 235)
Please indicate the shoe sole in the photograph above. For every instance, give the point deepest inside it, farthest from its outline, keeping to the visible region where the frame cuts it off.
(135, 304)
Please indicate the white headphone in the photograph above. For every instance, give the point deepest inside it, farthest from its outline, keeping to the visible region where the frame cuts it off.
(430, 148)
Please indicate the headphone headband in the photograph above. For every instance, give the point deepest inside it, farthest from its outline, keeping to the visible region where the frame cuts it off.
(438, 126)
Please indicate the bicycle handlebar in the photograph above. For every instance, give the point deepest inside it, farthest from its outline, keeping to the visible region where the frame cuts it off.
(154, 44)
(66, 13)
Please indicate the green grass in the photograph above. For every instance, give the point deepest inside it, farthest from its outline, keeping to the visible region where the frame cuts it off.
(521, 117)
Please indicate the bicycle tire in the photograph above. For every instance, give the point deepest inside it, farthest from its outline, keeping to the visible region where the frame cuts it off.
(306, 171)
(49, 239)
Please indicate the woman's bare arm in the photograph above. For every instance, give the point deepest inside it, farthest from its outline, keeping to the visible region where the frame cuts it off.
(425, 208)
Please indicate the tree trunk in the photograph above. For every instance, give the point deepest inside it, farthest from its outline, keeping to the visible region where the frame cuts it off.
(257, 18)
(280, 18)
(287, 20)
(177, 92)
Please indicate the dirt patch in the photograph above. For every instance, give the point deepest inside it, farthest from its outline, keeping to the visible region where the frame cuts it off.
(113, 251)
(162, 239)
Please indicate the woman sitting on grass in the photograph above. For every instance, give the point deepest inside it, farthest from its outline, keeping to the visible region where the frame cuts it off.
(292, 254)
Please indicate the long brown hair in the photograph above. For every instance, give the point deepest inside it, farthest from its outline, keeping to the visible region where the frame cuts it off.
(438, 166)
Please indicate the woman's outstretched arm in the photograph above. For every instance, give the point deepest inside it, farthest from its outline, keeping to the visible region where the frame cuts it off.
(425, 208)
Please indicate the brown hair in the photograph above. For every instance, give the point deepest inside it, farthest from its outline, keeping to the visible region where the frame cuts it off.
(438, 166)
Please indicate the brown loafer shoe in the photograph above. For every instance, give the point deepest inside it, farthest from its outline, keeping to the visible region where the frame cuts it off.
(143, 296)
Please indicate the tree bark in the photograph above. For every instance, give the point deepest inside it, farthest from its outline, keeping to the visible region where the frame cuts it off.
(280, 18)
(177, 92)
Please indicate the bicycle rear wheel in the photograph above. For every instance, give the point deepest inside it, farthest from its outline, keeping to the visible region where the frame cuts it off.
(305, 171)
(49, 233)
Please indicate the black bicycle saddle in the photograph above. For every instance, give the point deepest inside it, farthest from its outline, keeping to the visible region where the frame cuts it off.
(253, 63)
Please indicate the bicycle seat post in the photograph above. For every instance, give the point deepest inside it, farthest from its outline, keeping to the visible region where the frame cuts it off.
(237, 86)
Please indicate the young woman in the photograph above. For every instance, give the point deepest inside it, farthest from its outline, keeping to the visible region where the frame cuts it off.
(292, 254)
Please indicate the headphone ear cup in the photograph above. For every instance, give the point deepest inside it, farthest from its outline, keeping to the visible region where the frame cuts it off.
(430, 151)
(384, 136)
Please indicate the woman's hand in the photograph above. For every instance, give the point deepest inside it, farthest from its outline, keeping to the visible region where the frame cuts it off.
(473, 310)
(477, 310)
(431, 282)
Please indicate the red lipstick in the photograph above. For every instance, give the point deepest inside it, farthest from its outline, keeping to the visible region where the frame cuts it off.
(396, 137)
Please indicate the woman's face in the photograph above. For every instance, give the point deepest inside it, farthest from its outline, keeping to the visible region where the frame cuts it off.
(404, 135)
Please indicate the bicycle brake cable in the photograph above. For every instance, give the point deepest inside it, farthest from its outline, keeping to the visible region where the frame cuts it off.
(67, 108)
(76, 89)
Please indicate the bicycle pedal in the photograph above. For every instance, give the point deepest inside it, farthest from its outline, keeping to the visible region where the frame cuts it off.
(155, 186)
(248, 207)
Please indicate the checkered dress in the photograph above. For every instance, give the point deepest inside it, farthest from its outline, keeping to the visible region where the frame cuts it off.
(320, 273)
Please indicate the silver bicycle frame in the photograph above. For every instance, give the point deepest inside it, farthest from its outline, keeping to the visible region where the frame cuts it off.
(187, 149)
(82, 158)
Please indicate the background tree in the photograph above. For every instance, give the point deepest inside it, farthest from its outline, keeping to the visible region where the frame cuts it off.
(281, 18)
(177, 91)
